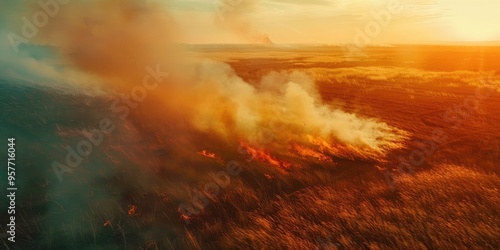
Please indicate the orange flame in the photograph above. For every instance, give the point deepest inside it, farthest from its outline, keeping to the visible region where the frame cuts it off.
(269, 177)
(209, 155)
(263, 156)
(345, 151)
(107, 223)
(132, 209)
(323, 145)
(307, 152)
(183, 217)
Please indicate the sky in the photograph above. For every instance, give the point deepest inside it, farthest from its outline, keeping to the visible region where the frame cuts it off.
(338, 21)
(234, 21)
(315, 21)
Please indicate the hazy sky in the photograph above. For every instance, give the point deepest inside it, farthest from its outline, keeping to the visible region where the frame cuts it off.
(216, 21)
(336, 21)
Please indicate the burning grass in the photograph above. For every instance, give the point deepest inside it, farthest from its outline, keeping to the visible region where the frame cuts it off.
(263, 156)
(313, 183)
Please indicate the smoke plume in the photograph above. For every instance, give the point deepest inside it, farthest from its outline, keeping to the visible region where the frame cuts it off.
(283, 113)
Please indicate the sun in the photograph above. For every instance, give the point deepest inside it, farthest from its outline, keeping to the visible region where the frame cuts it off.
(474, 20)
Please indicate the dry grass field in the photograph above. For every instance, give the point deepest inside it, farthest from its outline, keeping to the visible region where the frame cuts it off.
(428, 178)
(255, 124)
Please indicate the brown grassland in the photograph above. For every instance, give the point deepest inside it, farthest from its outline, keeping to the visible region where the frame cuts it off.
(126, 196)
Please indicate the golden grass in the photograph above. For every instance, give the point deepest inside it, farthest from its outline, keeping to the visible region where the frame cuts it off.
(450, 207)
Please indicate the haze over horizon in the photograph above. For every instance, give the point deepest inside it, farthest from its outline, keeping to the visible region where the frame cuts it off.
(331, 22)
(315, 22)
